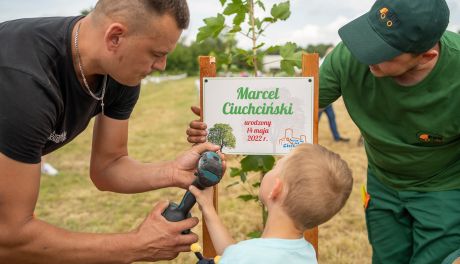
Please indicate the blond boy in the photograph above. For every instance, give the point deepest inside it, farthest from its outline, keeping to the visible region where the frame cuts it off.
(304, 189)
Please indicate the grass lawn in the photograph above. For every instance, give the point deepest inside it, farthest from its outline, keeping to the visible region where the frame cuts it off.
(157, 132)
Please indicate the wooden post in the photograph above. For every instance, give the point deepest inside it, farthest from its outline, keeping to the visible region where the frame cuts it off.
(310, 66)
(207, 69)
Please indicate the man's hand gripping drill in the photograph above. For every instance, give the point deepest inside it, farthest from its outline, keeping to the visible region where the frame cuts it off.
(209, 172)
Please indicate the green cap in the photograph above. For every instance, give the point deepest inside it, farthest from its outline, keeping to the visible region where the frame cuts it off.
(393, 27)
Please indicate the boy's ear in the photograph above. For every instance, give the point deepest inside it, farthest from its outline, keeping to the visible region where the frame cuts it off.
(277, 190)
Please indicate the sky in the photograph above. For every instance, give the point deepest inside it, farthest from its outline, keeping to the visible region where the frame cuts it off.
(311, 21)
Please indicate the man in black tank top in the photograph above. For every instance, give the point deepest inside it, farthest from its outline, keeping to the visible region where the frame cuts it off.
(56, 74)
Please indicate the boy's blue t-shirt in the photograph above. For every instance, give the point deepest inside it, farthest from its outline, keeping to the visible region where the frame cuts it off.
(270, 250)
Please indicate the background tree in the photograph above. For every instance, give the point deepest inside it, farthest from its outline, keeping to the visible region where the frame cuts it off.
(320, 49)
(181, 60)
(85, 12)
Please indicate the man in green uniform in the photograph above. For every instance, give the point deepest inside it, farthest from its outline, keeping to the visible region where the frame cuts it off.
(396, 71)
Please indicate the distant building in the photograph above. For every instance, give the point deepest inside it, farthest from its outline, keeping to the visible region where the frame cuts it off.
(272, 63)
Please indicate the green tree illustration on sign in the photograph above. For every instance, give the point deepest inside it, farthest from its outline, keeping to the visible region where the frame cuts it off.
(221, 134)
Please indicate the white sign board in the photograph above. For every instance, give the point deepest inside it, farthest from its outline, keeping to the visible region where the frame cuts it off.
(258, 116)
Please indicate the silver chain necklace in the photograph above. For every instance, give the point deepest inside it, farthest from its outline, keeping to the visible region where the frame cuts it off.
(80, 65)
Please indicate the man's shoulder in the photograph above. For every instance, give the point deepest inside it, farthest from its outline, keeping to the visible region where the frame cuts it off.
(341, 51)
(35, 46)
(30, 34)
(33, 33)
(23, 25)
(450, 34)
(341, 62)
(451, 40)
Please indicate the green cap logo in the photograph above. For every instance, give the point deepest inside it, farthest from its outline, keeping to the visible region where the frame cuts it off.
(387, 17)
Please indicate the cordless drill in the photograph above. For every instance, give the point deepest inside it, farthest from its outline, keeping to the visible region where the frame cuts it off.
(209, 172)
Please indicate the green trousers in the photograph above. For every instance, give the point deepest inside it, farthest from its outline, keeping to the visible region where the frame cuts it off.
(407, 227)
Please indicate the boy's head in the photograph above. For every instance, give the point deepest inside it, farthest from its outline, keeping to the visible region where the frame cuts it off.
(311, 184)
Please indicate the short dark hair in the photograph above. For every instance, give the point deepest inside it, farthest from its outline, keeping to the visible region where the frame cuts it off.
(141, 8)
(177, 8)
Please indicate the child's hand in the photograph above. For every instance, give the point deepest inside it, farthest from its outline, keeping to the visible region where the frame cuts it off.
(203, 197)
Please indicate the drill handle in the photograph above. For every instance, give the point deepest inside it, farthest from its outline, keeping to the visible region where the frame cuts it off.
(188, 201)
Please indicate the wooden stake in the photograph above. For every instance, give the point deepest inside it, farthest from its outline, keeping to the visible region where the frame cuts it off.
(310, 68)
(207, 69)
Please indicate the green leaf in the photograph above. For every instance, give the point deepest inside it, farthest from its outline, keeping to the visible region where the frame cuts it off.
(224, 58)
(242, 52)
(235, 7)
(249, 61)
(281, 11)
(250, 163)
(243, 176)
(291, 58)
(260, 4)
(222, 2)
(235, 29)
(203, 33)
(288, 67)
(298, 59)
(268, 162)
(256, 185)
(269, 20)
(213, 27)
(257, 163)
(234, 172)
(255, 234)
(288, 50)
(215, 21)
(258, 23)
(247, 197)
(272, 49)
(260, 45)
(239, 18)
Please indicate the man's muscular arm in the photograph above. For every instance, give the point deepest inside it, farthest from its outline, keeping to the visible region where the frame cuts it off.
(112, 169)
(25, 239)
